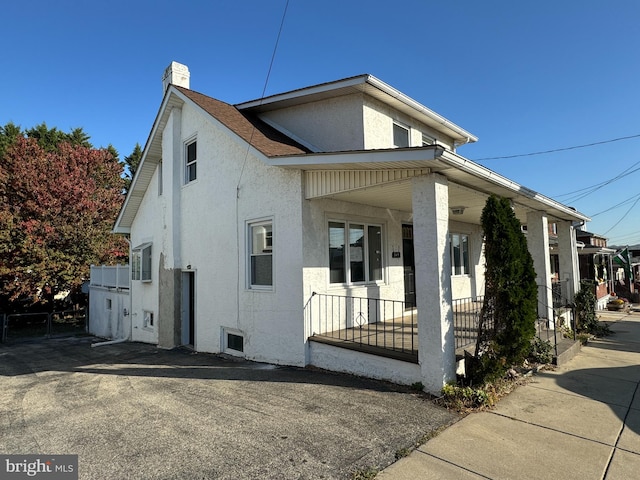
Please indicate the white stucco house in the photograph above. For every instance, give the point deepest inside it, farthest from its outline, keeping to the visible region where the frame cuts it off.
(261, 229)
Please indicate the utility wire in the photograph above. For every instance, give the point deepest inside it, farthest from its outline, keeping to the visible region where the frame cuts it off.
(616, 206)
(560, 149)
(624, 216)
(246, 158)
(601, 184)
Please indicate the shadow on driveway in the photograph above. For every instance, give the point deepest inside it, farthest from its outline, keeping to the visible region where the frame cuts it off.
(134, 411)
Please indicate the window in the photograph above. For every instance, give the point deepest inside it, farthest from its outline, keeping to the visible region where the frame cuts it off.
(141, 263)
(460, 254)
(361, 261)
(427, 140)
(147, 319)
(261, 255)
(190, 157)
(235, 342)
(135, 265)
(400, 135)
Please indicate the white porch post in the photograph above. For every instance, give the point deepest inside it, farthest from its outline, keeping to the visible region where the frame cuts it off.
(538, 244)
(568, 258)
(436, 351)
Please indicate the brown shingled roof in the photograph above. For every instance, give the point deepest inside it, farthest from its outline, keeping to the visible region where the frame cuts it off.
(250, 128)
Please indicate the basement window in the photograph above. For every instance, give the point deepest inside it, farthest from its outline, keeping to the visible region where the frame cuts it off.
(233, 341)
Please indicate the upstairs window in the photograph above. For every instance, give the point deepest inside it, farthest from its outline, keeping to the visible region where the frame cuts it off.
(400, 135)
(460, 254)
(191, 155)
(427, 140)
(141, 263)
(261, 255)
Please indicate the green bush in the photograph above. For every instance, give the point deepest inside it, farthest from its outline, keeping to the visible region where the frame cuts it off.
(541, 351)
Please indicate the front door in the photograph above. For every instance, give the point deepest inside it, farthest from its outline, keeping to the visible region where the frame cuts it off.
(409, 266)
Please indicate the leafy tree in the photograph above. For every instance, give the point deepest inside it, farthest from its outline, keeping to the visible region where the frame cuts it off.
(58, 202)
(131, 164)
(507, 319)
(8, 134)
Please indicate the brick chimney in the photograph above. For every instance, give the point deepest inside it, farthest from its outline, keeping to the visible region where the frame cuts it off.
(175, 74)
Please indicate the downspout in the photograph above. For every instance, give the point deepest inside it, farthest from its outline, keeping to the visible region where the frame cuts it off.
(125, 313)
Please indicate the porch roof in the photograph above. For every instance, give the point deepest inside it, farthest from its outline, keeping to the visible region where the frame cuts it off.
(383, 178)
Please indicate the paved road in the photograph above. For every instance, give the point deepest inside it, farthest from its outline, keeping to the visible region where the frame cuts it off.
(131, 411)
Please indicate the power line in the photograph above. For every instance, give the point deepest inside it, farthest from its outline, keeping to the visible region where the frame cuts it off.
(624, 216)
(559, 149)
(616, 206)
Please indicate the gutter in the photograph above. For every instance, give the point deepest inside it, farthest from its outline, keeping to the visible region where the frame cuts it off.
(461, 163)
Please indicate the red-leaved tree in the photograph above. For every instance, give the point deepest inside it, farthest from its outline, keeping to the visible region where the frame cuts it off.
(57, 208)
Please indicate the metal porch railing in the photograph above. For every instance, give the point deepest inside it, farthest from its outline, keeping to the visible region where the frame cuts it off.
(373, 325)
(466, 316)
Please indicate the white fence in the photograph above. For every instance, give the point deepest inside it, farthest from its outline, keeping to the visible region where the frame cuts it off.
(116, 276)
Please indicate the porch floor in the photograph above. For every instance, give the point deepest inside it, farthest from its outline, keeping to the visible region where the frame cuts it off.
(398, 338)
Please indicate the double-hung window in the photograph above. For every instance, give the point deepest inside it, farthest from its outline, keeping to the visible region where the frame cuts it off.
(261, 255)
(191, 155)
(400, 135)
(460, 254)
(355, 252)
(141, 263)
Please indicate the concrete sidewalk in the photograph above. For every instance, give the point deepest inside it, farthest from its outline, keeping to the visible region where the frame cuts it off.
(580, 421)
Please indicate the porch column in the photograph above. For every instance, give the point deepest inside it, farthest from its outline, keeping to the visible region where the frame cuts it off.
(538, 243)
(569, 271)
(436, 351)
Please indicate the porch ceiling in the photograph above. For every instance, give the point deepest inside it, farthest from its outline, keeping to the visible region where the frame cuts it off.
(383, 179)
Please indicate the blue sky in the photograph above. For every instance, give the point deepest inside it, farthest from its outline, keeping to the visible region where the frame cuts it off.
(522, 76)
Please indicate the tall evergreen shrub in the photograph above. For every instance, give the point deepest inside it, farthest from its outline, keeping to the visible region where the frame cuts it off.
(508, 316)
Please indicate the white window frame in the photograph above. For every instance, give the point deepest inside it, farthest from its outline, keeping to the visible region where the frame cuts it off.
(465, 268)
(188, 165)
(349, 252)
(427, 140)
(393, 134)
(225, 341)
(265, 249)
(147, 320)
(141, 262)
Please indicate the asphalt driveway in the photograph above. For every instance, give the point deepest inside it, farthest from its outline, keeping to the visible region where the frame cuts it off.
(131, 411)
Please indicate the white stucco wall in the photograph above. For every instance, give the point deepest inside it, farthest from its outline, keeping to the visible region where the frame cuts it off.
(144, 295)
(330, 125)
(232, 188)
(108, 322)
(378, 121)
(363, 364)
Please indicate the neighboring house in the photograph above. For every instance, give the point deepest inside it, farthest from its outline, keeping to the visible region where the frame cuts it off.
(259, 229)
(596, 264)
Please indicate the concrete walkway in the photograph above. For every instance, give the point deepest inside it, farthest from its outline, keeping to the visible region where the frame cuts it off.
(580, 421)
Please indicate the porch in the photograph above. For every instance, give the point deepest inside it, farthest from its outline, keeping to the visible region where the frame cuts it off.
(385, 328)
(382, 327)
